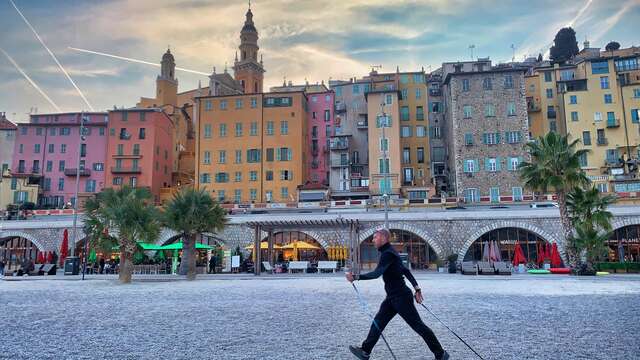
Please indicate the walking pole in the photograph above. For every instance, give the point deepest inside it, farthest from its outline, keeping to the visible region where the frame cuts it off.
(365, 308)
(453, 332)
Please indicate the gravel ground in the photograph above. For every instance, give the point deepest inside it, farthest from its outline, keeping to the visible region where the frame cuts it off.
(519, 317)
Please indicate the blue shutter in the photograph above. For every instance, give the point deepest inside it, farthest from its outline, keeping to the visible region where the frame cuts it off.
(635, 116)
(289, 154)
(465, 166)
(497, 138)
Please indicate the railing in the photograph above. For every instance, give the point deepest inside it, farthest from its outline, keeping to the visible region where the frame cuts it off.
(362, 124)
(72, 172)
(339, 163)
(125, 136)
(339, 145)
(131, 156)
(613, 123)
(126, 170)
(341, 107)
(533, 107)
(602, 141)
(435, 92)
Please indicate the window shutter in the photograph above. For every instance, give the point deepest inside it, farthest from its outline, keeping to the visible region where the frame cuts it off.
(484, 138)
(498, 165)
(509, 164)
(289, 154)
(487, 165)
(520, 161)
(278, 153)
(466, 166)
(497, 138)
(476, 164)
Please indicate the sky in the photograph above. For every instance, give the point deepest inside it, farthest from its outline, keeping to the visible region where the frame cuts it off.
(299, 39)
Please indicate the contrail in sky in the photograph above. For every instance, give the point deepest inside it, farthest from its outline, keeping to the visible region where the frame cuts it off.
(33, 83)
(136, 60)
(53, 56)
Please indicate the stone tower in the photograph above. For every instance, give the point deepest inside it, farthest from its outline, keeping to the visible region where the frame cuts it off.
(167, 84)
(248, 70)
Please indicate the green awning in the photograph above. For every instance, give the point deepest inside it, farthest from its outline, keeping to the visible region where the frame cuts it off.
(179, 245)
(143, 245)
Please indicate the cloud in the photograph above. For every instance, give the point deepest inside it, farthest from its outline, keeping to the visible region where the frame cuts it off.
(86, 72)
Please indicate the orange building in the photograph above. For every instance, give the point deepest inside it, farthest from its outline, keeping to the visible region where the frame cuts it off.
(252, 147)
(139, 149)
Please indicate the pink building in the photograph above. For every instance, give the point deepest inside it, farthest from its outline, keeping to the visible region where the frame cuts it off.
(46, 151)
(320, 129)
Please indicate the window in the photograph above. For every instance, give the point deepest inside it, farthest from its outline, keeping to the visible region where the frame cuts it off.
(465, 84)
(136, 149)
(604, 82)
(21, 148)
(284, 127)
(98, 166)
(253, 155)
(467, 110)
(549, 93)
(420, 155)
(470, 166)
(389, 99)
(238, 176)
(327, 130)
(268, 176)
(434, 132)
(355, 89)
(468, 139)
(491, 164)
(611, 118)
(112, 132)
(135, 164)
(517, 193)
(421, 131)
(418, 93)
(327, 115)
(36, 148)
(253, 194)
(142, 133)
(435, 107)
(39, 131)
(383, 166)
(513, 137)
(636, 93)
(339, 91)
(90, 186)
(612, 156)
(284, 193)
(597, 116)
(489, 110)
(120, 149)
(600, 137)
(52, 148)
(269, 127)
(269, 154)
(286, 175)
(238, 129)
(284, 154)
(384, 144)
(635, 116)
(511, 109)
(222, 177)
(406, 155)
(405, 131)
(491, 138)
(222, 156)
(222, 129)
(83, 150)
(208, 105)
(207, 131)
(61, 165)
(547, 76)
(221, 195)
(238, 103)
(383, 121)
(407, 175)
(513, 163)
(223, 104)
(586, 138)
(508, 82)
(206, 158)
(487, 84)
(14, 183)
(47, 184)
(583, 160)
(238, 158)
(419, 113)
(117, 180)
(60, 184)
(404, 113)
(574, 116)
(608, 99)
(253, 175)
(600, 67)
(573, 99)
(471, 195)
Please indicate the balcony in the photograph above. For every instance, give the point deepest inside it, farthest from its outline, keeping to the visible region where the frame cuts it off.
(126, 170)
(314, 151)
(340, 108)
(602, 141)
(532, 106)
(339, 144)
(125, 136)
(123, 156)
(338, 163)
(72, 172)
(435, 92)
(315, 164)
(363, 124)
(551, 114)
(613, 123)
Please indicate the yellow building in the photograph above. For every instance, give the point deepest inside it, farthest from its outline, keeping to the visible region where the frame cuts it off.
(251, 148)
(384, 142)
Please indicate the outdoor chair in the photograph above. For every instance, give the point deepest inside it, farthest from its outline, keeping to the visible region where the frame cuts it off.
(298, 265)
(469, 268)
(327, 265)
(485, 268)
(502, 268)
(36, 270)
(48, 269)
(267, 266)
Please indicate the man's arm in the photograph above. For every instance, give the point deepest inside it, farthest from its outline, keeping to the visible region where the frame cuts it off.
(407, 273)
(385, 261)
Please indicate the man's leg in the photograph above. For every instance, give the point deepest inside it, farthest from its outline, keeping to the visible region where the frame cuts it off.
(407, 310)
(382, 318)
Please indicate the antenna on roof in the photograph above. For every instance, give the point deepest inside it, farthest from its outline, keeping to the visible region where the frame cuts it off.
(513, 53)
(471, 47)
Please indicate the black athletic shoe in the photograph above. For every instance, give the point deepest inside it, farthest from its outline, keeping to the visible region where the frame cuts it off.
(445, 356)
(359, 353)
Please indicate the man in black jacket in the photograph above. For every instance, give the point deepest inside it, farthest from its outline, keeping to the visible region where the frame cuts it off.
(399, 299)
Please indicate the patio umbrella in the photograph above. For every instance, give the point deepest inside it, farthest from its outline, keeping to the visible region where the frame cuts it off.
(485, 253)
(556, 261)
(93, 256)
(518, 255)
(40, 258)
(540, 254)
(496, 246)
(263, 246)
(547, 253)
(64, 247)
(301, 245)
(50, 257)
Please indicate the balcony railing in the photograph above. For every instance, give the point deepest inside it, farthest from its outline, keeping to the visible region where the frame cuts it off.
(126, 170)
(435, 92)
(602, 141)
(613, 123)
(125, 136)
(533, 107)
(130, 156)
(338, 163)
(72, 172)
(363, 124)
(343, 144)
(341, 107)
(551, 114)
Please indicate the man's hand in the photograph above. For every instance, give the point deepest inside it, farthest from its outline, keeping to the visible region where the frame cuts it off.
(349, 277)
(419, 297)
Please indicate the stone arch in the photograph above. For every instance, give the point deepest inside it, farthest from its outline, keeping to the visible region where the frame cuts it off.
(620, 223)
(409, 227)
(12, 234)
(311, 233)
(166, 234)
(511, 224)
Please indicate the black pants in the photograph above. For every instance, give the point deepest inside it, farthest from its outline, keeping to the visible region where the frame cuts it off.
(402, 305)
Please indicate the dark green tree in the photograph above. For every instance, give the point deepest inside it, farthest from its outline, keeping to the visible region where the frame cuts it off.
(612, 46)
(564, 46)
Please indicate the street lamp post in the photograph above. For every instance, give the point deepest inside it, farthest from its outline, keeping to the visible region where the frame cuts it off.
(385, 165)
(77, 188)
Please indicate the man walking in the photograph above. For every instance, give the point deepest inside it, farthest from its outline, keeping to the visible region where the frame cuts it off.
(399, 299)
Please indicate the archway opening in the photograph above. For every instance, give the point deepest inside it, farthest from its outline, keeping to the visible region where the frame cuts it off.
(505, 239)
(624, 244)
(14, 250)
(410, 246)
(292, 246)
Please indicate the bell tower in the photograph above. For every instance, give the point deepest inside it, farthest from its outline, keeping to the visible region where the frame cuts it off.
(166, 83)
(247, 69)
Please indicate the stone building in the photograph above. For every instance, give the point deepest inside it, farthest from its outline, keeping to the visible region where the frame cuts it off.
(486, 120)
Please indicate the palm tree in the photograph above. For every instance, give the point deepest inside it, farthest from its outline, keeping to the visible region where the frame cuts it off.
(129, 216)
(593, 242)
(95, 228)
(589, 208)
(555, 166)
(190, 213)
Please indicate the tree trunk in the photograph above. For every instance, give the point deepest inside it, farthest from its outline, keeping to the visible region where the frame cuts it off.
(567, 229)
(188, 264)
(126, 266)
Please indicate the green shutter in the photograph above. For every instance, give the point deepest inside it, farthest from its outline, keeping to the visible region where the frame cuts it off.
(520, 161)
(486, 164)
(498, 165)
(278, 154)
(465, 166)
(484, 138)
(476, 165)
(289, 154)
(509, 165)
(497, 138)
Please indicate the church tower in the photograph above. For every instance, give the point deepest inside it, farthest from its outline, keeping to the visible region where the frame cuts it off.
(166, 83)
(248, 71)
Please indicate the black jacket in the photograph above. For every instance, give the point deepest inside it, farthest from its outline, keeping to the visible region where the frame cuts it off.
(393, 272)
